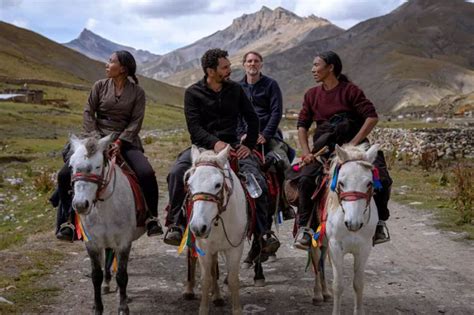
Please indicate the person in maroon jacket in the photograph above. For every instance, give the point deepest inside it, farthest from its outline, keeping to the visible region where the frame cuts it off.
(343, 115)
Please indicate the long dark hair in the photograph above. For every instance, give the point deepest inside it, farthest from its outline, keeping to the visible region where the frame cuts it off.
(126, 60)
(331, 58)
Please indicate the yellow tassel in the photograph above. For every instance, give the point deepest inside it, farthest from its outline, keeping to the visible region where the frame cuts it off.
(183, 241)
(314, 242)
(114, 264)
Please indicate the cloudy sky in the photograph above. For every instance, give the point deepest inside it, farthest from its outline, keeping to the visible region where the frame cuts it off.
(163, 25)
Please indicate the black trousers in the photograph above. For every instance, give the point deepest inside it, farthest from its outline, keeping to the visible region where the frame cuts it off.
(308, 182)
(139, 164)
(177, 194)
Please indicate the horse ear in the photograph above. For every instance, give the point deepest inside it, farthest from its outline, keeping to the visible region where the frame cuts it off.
(371, 154)
(195, 153)
(104, 142)
(341, 154)
(223, 156)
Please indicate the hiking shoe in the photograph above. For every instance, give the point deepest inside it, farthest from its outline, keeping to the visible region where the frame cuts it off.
(173, 236)
(153, 228)
(380, 236)
(304, 242)
(66, 232)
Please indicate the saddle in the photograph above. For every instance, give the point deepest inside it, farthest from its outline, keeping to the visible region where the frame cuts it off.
(141, 208)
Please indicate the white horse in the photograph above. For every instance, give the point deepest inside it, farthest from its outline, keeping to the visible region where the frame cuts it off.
(104, 201)
(218, 221)
(352, 216)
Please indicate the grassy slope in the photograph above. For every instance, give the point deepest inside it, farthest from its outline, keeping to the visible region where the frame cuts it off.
(25, 54)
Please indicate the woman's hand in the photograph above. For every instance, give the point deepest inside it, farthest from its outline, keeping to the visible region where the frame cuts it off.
(242, 152)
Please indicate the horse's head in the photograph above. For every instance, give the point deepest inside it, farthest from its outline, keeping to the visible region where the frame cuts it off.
(207, 185)
(87, 164)
(352, 182)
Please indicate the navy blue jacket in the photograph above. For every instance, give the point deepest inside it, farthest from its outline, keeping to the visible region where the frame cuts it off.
(213, 116)
(266, 98)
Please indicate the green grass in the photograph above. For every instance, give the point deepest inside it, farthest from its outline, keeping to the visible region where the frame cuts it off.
(425, 190)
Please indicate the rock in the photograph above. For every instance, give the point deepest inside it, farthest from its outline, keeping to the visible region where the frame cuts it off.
(4, 300)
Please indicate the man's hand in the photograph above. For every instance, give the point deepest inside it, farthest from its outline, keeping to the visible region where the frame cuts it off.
(308, 158)
(242, 152)
(219, 146)
(261, 139)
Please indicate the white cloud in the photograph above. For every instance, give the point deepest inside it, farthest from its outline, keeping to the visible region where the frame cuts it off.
(20, 23)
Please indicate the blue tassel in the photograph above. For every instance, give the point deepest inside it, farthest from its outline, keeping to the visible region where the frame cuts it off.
(199, 251)
(334, 178)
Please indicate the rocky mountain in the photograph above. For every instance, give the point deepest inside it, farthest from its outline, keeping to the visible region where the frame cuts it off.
(413, 56)
(99, 48)
(267, 31)
(27, 55)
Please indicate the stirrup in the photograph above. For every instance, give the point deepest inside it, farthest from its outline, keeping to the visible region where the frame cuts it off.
(385, 231)
(172, 229)
(66, 225)
(303, 230)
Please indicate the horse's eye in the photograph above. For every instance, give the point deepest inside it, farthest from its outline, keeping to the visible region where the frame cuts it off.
(97, 167)
(218, 185)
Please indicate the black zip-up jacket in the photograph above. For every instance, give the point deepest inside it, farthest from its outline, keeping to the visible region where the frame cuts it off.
(213, 116)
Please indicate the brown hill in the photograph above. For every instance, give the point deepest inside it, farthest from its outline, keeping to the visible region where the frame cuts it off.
(417, 54)
(25, 54)
(267, 31)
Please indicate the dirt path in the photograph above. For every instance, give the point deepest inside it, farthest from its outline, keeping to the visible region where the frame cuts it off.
(421, 271)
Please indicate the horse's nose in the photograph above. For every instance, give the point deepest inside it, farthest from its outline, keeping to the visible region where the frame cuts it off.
(81, 206)
(347, 224)
(203, 229)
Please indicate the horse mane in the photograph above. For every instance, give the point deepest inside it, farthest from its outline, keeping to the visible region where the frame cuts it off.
(91, 145)
(355, 153)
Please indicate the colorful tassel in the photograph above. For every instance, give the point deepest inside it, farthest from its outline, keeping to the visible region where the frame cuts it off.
(334, 178)
(376, 179)
(184, 241)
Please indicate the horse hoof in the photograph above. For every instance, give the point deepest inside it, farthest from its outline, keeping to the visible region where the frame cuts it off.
(219, 302)
(123, 310)
(327, 297)
(318, 301)
(247, 265)
(260, 282)
(189, 296)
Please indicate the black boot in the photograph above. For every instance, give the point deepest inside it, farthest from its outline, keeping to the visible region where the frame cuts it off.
(153, 227)
(174, 235)
(380, 236)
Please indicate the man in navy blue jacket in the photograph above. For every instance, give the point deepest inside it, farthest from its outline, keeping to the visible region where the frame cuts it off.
(266, 98)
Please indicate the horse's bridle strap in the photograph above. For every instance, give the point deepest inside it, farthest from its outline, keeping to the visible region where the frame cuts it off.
(92, 178)
(354, 195)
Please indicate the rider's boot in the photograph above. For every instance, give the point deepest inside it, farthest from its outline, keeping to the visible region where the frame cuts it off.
(66, 232)
(153, 227)
(174, 235)
(380, 236)
(303, 241)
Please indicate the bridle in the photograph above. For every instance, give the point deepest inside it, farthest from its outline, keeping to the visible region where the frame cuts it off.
(102, 181)
(222, 197)
(350, 196)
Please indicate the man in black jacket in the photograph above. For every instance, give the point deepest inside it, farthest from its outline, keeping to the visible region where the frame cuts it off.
(212, 107)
